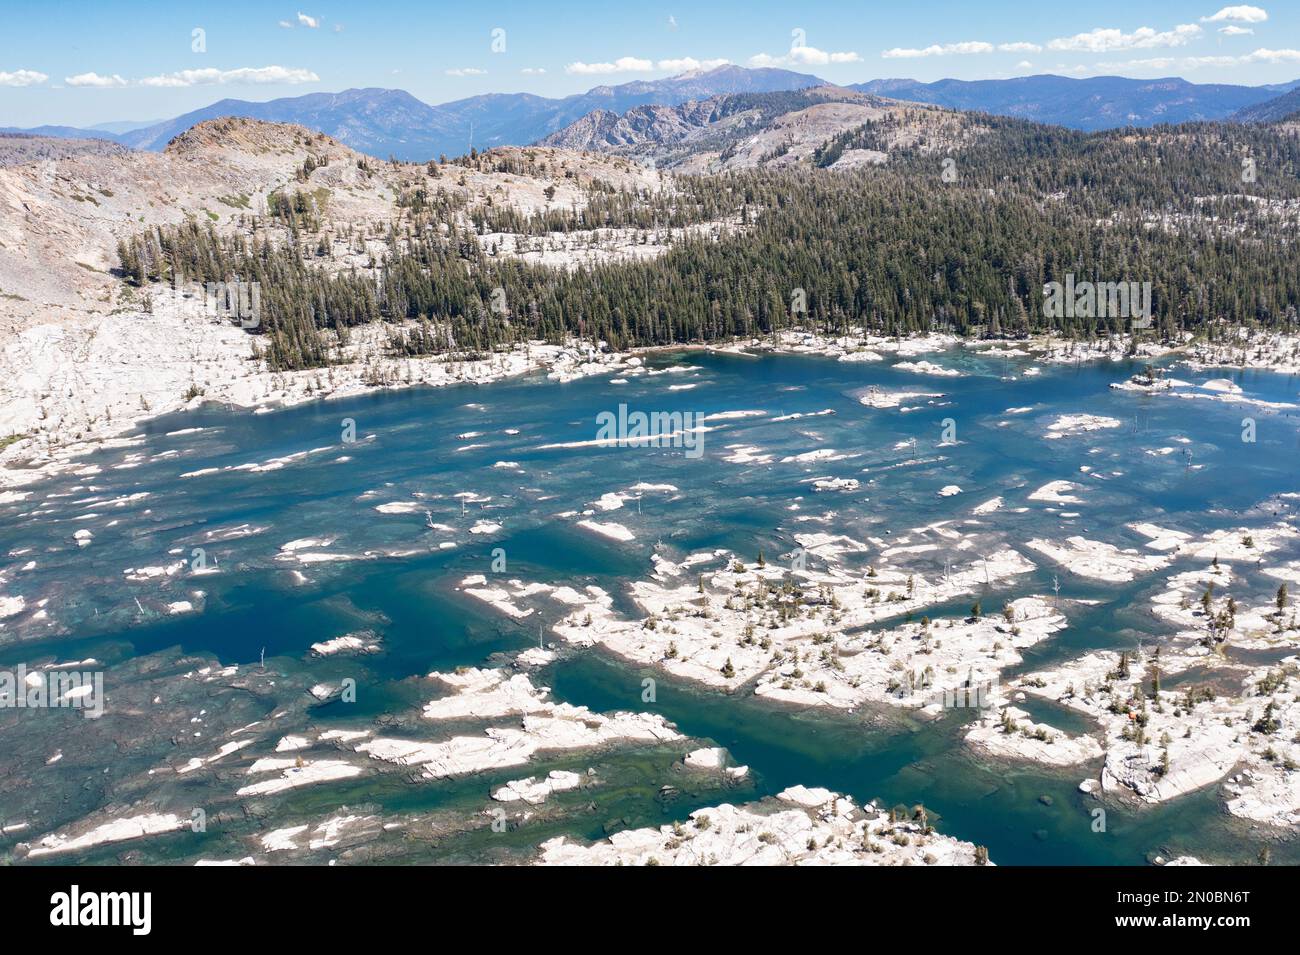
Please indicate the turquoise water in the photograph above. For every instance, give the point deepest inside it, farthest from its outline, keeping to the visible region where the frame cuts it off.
(427, 446)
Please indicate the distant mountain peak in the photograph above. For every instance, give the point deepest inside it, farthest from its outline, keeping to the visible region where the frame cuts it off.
(696, 73)
(722, 71)
(385, 121)
(1087, 103)
(1286, 106)
(249, 135)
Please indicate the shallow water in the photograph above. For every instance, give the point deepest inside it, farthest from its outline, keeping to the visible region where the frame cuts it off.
(427, 446)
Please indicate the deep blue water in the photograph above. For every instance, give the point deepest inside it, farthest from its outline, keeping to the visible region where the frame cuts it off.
(429, 445)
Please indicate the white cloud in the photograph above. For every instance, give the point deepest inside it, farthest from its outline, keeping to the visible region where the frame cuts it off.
(532, 71)
(95, 80)
(22, 78)
(310, 23)
(624, 64)
(946, 49)
(1188, 63)
(286, 25)
(811, 56)
(686, 64)
(1150, 63)
(1024, 65)
(1272, 56)
(1196, 62)
(338, 28)
(1104, 40)
(635, 64)
(1235, 31)
(804, 56)
(247, 76)
(1242, 14)
(960, 49)
(466, 71)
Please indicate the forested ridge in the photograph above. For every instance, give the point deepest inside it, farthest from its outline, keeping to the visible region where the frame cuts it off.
(1206, 213)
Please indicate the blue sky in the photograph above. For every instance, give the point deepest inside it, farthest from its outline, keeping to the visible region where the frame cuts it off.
(90, 62)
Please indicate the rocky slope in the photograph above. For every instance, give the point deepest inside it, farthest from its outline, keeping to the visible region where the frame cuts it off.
(745, 131)
(1286, 106)
(17, 148)
(82, 353)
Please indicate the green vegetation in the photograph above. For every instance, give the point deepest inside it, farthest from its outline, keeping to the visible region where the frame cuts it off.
(891, 249)
(870, 135)
(300, 211)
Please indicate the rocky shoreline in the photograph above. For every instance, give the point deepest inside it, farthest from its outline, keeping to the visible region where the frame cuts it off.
(65, 397)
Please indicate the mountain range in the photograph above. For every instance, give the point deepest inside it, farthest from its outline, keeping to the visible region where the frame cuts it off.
(1286, 106)
(746, 130)
(388, 122)
(1099, 102)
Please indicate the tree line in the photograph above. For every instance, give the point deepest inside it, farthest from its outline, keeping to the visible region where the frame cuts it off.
(894, 249)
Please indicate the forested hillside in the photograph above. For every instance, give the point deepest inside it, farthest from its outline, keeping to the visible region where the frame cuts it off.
(1206, 213)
